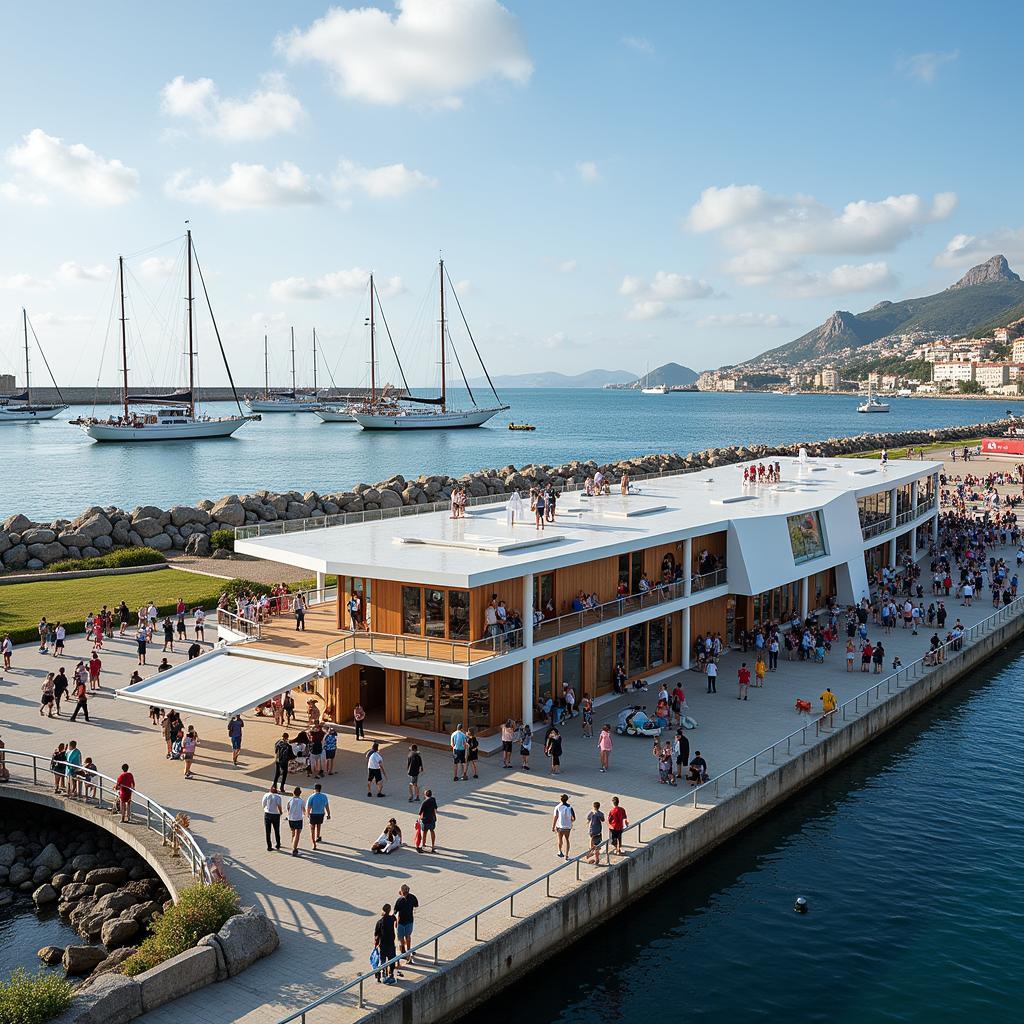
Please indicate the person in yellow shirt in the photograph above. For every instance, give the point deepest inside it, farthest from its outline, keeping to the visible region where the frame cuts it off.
(759, 670)
(828, 704)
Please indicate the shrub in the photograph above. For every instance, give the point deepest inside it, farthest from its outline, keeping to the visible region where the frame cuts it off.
(200, 910)
(237, 587)
(33, 998)
(123, 558)
(223, 539)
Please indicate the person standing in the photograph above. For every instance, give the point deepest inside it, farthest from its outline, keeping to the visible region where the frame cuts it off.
(95, 668)
(168, 634)
(617, 822)
(414, 768)
(375, 771)
(472, 752)
(73, 760)
(125, 786)
(681, 750)
(330, 748)
(525, 746)
(508, 735)
(317, 806)
(296, 814)
(595, 826)
(46, 701)
(141, 643)
(553, 748)
(81, 695)
(58, 640)
(188, 750)
(199, 623)
(711, 670)
(358, 717)
(604, 745)
(60, 688)
(561, 823)
(273, 808)
(299, 607)
(428, 821)
(773, 653)
(235, 727)
(457, 742)
(743, 679)
(384, 943)
(288, 704)
(405, 909)
(282, 758)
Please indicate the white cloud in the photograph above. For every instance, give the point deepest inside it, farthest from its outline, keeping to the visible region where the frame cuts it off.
(329, 285)
(925, 66)
(559, 341)
(566, 266)
(157, 266)
(732, 320)
(846, 278)
(427, 50)
(464, 287)
(57, 321)
(588, 172)
(969, 250)
(266, 112)
(388, 182)
(72, 271)
(247, 186)
(639, 43)
(759, 266)
(25, 283)
(650, 309)
(267, 319)
(15, 193)
(666, 286)
(45, 160)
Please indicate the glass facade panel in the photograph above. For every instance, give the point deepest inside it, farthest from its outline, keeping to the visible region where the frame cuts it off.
(605, 664)
(450, 703)
(669, 640)
(412, 619)
(656, 643)
(544, 594)
(433, 605)
(572, 668)
(637, 649)
(478, 703)
(545, 678)
(458, 614)
(636, 570)
(418, 704)
(806, 536)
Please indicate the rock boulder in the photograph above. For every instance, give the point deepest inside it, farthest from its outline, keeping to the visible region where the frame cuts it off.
(82, 959)
(246, 938)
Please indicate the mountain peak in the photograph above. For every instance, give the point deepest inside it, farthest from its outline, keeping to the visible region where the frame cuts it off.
(992, 270)
(841, 320)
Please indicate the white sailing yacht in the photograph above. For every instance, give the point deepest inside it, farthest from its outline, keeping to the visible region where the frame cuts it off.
(19, 408)
(172, 417)
(872, 404)
(395, 414)
(655, 389)
(283, 401)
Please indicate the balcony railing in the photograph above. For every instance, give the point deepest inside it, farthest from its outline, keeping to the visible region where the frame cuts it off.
(425, 648)
(906, 516)
(874, 529)
(250, 623)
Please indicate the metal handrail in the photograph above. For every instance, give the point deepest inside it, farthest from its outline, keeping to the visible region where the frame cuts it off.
(425, 648)
(280, 604)
(907, 672)
(156, 818)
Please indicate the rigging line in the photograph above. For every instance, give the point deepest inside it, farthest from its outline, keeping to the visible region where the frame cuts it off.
(455, 352)
(216, 331)
(153, 248)
(327, 365)
(380, 309)
(46, 362)
(348, 338)
(471, 338)
(103, 350)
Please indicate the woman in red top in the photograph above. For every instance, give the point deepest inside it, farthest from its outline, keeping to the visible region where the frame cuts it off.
(617, 821)
(125, 786)
(95, 665)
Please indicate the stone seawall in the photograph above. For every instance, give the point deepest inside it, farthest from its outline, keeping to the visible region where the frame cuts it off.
(25, 544)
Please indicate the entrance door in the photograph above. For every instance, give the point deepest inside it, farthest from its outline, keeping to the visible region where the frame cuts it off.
(372, 689)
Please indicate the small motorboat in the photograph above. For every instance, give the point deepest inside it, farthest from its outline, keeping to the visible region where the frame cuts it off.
(521, 426)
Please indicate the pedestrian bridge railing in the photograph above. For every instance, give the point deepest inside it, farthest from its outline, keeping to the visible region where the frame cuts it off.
(707, 792)
(35, 771)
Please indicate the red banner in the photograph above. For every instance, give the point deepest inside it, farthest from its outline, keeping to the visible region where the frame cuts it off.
(1003, 446)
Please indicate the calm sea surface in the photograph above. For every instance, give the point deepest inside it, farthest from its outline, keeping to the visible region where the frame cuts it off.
(52, 469)
(910, 858)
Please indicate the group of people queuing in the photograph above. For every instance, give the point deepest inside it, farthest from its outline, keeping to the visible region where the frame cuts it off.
(78, 778)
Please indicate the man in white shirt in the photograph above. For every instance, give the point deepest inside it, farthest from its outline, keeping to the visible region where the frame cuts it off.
(562, 822)
(712, 673)
(296, 814)
(273, 807)
(200, 621)
(375, 770)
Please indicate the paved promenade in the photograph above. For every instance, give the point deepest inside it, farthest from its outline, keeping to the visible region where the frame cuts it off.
(493, 834)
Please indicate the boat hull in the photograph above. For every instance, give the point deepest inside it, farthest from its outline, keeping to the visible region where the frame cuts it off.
(425, 420)
(335, 415)
(8, 415)
(269, 405)
(196, 430)
(872, 408)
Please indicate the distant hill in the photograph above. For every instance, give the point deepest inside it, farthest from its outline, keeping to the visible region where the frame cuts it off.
(671, 374)
(984, 295)
(551, 379)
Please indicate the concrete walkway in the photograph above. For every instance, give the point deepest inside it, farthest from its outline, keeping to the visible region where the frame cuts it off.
(494, 834)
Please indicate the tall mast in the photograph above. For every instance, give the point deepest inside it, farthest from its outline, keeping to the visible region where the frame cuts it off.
(124, 340)
(293, 362)
(443, 394)
(266, 368)
(28, 383)
(314, 360)
(373, 354)
(191, 339)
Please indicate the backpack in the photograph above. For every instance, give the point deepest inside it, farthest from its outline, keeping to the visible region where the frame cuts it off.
(176, 750)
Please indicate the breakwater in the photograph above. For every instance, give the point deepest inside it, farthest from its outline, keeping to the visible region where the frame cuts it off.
(25, 544)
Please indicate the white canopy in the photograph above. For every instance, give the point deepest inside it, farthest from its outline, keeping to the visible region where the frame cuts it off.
(223, 683)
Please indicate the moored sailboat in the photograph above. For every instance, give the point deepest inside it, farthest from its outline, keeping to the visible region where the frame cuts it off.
(20, 408)
(293, 400)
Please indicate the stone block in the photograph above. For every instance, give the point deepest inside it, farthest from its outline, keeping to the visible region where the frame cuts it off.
(110, 999)
(147, 528)
(98, 875)
(214, 944)
(19, 873)
(118, 932)
(184, 973)
(17, 557)
(97, 525)
(51, 955)
(228, 511)
(82, 959)
(39, 535)
(246, 938)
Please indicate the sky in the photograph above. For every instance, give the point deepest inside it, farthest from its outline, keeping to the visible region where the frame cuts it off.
(611, 185)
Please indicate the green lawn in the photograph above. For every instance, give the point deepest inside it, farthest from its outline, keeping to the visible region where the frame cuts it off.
(901, 453)
(69, 601)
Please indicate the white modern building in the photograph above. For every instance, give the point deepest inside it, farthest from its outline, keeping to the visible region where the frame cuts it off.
(675, 559)
(953, 372)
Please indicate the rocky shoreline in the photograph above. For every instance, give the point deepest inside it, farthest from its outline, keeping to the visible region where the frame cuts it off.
(25, 544)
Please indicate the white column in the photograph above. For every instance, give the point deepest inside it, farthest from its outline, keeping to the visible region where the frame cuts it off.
(913, 495)
(527, 676)
(804, 600)
(892, 509)
(687, 644)
(688, 567)
(527, 604)
(935, 527)
(913, 543)
(527, 709)
(892, 553)
(321, 580)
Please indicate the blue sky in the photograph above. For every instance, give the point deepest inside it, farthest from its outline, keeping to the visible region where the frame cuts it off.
(612, 184)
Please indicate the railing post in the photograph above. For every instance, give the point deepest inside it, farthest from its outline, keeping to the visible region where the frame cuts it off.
(361, 1003)
(436, 940)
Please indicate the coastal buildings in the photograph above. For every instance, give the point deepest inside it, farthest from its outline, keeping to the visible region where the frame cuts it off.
(674, 560)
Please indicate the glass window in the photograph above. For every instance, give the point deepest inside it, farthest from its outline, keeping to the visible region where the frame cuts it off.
(412, 618)
(605, 664)
(545, 678)
(806, 536)
(418, 707)
(478, 703)
(620, 649)
(656, 643)
(450, 703)
(458, 614)
(544, 594)
(572, 668)
(433, 604)
(669, 649)
(637, 570)
(637, 649)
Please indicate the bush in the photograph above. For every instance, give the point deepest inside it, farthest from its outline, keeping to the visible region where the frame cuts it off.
(200, 910)
(33, 998)
(223, 539)
(123, 558)
(237, 587)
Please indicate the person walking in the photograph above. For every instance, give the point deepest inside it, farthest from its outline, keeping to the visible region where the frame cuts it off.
(743, 679)
(617, 822)
(595, 827)
(711, 670)
(188, 750)
(428, 821)
(81, 695)
(273, 808)
(330, 748)
(299, 608)
(375, 771)
(553, 749)
(125, 786)
(405, 910)
(414, 768)
(282, 758)
(508, 735)
(561, 823)
(46, 700)
(358, 718)
(828, 704)
(60, 688)
(384, 944)
(525, 746)
(457, 741)
(604, 745)
(317, 806)
(235, 727)
(296, 815)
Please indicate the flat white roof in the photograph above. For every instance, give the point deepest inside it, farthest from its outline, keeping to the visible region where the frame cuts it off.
(434, 548)
(223, 683)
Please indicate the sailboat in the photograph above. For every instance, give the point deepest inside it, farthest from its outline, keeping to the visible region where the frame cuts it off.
(391, 413)
(174, 416)
(872, 404)
(283, 401)
(656, 389)
(19, 408)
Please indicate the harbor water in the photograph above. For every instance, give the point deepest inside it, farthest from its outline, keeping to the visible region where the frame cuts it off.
(52, 469)
(909, 858)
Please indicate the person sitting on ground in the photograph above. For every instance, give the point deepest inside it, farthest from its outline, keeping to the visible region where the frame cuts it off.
(389, 840)
(698, 770)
